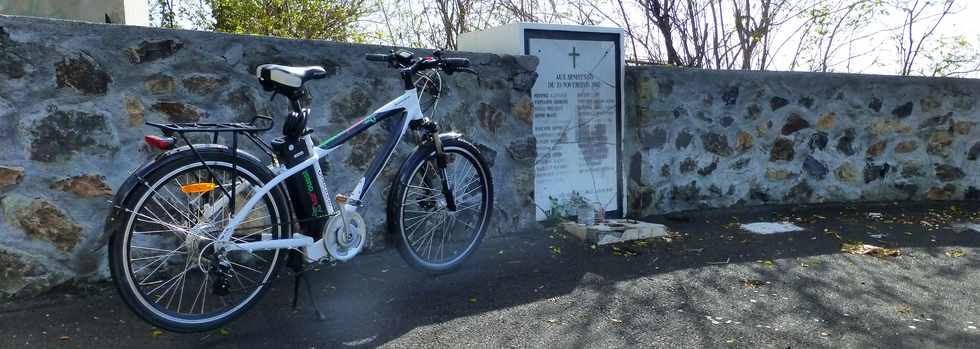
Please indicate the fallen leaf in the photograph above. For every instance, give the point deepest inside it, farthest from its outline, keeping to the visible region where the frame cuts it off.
(751, 283)
(224, 332)
(833, 233)
(904, 309)
(870, 250)
(555, 250)
(955, 253)
(156, 333)
(615, 320)
(472, 300)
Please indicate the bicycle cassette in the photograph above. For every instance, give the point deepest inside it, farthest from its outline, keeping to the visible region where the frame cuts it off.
(343, 244)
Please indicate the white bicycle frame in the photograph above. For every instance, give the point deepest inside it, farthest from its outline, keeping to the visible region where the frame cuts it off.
(314, 250)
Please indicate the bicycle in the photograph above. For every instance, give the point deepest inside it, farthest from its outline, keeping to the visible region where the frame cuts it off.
(199, 232)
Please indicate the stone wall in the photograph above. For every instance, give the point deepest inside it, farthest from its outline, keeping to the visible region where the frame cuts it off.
(698, 139)
(74, 96)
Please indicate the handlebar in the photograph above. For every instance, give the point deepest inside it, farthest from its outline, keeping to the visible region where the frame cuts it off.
(406, 60)
(455, 62)
(377, 57)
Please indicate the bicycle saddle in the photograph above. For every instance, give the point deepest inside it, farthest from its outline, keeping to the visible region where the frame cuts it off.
(288, 76)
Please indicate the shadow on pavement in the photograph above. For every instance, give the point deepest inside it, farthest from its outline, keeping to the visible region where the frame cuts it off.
(546, 289)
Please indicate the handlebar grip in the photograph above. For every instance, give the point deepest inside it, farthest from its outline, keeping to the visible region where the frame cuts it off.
(377, 57)
(456, 62)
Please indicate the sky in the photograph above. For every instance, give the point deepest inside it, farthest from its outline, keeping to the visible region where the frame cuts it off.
(883, 60)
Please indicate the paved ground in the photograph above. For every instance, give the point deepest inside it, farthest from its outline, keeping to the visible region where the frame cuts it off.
(711, 286)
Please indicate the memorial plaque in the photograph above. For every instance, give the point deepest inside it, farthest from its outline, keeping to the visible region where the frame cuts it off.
(578, 110)
(577, 119)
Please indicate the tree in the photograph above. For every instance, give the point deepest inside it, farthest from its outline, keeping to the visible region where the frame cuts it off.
(180, 14)
(436, 23)
(303, 19)
(164, 11)
(909, 44)
(951, 56)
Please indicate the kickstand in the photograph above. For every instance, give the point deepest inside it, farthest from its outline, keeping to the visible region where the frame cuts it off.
(300, 276)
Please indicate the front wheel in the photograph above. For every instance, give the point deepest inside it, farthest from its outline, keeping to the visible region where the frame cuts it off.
(429, 236)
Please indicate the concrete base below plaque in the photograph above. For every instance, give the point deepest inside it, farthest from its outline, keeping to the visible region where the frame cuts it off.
(615, 230)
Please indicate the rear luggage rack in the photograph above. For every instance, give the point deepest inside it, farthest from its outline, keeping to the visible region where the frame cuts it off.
(197, 127)
(259, 123)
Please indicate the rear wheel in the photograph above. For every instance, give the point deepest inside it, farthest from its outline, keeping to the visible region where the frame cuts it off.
(163, 260)
(429, 236)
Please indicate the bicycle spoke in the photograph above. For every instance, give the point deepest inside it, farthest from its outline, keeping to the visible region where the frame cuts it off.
(152, 231)
(162, 259)
(182, 213)
(166, 282)
(157, 194)
(417, 224)
(470, 207)
(200, 291)
(445, 233)
(429, 232)
(182, 282)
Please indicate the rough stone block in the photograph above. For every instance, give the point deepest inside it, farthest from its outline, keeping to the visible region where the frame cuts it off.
(615, 231)
(10, 176)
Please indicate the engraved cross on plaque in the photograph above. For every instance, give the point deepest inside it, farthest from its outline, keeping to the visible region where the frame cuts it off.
(574, 55)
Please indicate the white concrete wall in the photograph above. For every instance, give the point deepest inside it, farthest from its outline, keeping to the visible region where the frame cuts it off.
(132, 12)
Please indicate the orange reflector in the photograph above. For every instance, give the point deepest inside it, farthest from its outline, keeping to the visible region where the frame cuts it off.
(341, 199)
(198, 187)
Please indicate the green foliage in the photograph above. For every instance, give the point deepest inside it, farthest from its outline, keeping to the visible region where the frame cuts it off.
(951, 56)
(302, 19)
(162, 12)
(562, 208)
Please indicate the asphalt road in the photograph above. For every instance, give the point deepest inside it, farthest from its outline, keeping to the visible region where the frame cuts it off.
(711, 286)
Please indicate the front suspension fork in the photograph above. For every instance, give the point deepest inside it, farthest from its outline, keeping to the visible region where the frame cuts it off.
(431, 130)
(442, 161)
